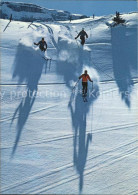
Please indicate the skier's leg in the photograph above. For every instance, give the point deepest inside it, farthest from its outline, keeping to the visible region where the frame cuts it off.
(83, 41)
(40, 48)
(83, 88)
(86, 88)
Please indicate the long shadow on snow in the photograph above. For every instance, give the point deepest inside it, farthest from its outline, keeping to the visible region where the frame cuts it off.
(124, 53)
(28, 66)
(81, 140)
(70, 65)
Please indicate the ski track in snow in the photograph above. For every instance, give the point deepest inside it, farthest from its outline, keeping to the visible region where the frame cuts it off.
(70, 136)
(90, 169)
(32, 112)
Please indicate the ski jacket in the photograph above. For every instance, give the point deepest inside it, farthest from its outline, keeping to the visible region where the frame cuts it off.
(85, 78)
(42, 44)
(82, 34)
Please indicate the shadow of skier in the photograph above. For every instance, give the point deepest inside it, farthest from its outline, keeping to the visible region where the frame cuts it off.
(70, 64)
(28, 68)
(23, 109)
(124, 59)
(81, 139)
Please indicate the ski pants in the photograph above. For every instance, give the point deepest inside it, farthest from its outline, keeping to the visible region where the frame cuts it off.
(84, 88)
(42, 48)
(82, 40)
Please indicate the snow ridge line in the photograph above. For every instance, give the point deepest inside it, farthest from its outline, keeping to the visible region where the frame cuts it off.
(99, 165)
(87, 171)
(69, 136)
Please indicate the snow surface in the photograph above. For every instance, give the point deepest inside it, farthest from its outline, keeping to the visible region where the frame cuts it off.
(53, 142)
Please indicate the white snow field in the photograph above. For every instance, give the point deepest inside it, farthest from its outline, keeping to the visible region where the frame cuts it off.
(51, 141)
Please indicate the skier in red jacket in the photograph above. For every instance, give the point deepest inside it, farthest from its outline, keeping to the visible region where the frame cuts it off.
(85, 77)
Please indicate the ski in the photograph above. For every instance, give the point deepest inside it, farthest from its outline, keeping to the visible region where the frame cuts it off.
(46, 58)
(85, 98)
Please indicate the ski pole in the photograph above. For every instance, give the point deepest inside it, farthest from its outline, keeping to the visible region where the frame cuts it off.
(77, 43)
(91, 118)
(75, 84)
(76, 39)
(92, 85)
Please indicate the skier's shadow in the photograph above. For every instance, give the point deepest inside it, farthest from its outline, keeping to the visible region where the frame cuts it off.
(81, 139)
(28, 66)
(70, 65)
(47, 66)
(124, 59)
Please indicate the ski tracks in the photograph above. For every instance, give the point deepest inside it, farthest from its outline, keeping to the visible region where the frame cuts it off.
(70, 136)
(33, 112)
(50, 179)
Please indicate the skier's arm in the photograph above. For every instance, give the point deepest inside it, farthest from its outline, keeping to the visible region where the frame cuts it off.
(77, 36)
(90, 79)
(80, 76)
(36, 43)
(86, 35)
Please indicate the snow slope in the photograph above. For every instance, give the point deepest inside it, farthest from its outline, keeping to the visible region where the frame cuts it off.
(53, 142)
(30, 12)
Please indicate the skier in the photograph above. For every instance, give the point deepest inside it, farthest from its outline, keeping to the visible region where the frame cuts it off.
(11, 18)
(82, 35)
(85, 77)
(70, 18)
(42, 45)
(117, 14)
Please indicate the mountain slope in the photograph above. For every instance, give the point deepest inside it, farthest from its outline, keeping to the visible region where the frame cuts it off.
(31, 12)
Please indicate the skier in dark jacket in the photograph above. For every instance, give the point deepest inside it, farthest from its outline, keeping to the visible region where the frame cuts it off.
(85, 77)
(82, 36)
(42, 45)
(11, 18)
